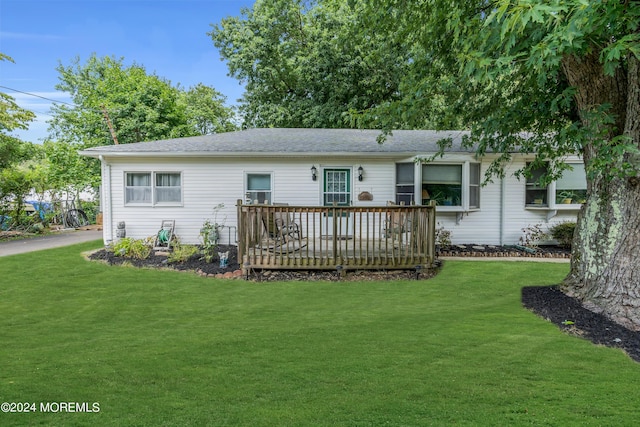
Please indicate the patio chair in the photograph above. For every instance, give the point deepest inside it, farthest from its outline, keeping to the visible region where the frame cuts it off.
(282, 230)
(396, 225)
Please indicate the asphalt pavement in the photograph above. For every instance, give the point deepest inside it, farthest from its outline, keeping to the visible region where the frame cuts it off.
(63, 238)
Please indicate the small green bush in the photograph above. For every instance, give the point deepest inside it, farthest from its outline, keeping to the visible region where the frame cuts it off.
(563, 232)
(133, 248)
(181, 252)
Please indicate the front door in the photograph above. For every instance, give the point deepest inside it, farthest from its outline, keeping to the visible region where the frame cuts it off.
(337, 187)
(337, 190)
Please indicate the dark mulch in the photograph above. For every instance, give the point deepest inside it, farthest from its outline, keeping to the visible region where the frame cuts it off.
(570, 316)
(473, 250)
(195, 263)
(199, 265)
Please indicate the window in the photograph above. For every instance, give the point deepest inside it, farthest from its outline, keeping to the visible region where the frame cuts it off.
(166, 188)
(138, 188)
(536, 195)
(442, 183)
(570, 189)
(337, 187)
(454, 186)
(474, 185)
(258, 188)
(405, 187)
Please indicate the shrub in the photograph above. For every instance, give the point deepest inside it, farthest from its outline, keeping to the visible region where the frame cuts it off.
(443, 236)
(181, 252)
(563, 232)
(532, 234)
(133, 248)
(210, 233)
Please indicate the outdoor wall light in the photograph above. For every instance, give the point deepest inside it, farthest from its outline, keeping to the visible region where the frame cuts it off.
(360, 172)
(314, 173)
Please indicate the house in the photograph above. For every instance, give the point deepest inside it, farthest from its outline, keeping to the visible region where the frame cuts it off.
(184, 179)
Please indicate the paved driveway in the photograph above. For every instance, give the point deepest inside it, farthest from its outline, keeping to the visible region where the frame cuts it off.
(57, 240)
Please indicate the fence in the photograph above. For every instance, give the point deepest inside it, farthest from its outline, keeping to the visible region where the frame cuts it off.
(335, 237)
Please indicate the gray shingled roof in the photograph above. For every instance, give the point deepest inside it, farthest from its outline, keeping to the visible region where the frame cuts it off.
(289, 142)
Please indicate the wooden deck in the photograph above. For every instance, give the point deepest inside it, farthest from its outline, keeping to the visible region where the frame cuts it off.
(335, 237)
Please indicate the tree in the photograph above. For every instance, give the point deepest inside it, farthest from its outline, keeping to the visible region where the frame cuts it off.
(307, 63)
(137, 106)
(205, 110)
(141, 107)
(547, 77)
(12, 117)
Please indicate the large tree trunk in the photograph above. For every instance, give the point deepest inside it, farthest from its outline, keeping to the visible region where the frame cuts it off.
(605, 265)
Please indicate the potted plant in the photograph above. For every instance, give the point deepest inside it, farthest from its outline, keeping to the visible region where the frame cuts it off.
(565, 197)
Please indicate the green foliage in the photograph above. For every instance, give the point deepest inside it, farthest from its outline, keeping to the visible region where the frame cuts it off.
(206, 112)
(307, 63)
(16, 183)
(443, 236)
(504, 67)
(140, 106)
(181, 252)
(12, 117)
(133, 248)
(532, 235)
(210, 234)
(66, 170)
(563, 232)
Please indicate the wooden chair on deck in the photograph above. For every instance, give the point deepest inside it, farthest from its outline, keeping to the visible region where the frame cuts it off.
(396, 225)
(281, 229)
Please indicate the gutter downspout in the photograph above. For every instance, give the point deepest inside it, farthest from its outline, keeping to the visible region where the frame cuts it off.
(107, 229)
(503, 203)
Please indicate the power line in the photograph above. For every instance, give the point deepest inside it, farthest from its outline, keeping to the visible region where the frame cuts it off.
(95, 110)
(40, 96)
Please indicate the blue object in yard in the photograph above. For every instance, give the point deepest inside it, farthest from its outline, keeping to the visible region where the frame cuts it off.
(41, 207)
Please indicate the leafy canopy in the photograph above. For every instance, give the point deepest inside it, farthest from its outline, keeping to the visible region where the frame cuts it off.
(307, 63)
(140, 106)
(12, 117)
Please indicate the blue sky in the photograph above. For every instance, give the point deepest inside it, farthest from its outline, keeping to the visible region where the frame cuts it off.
(167, 37)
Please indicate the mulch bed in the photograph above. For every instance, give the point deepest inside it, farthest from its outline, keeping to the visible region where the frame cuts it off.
(570, 316)
(471, 250)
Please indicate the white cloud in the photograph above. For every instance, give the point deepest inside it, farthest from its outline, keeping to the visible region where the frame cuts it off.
(28, 36)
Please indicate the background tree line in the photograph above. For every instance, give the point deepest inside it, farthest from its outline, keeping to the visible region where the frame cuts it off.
(139, 107)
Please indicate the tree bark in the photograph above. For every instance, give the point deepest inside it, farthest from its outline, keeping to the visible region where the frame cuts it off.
(605, 270)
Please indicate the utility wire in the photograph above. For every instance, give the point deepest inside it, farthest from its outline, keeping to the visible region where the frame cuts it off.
(39, 96)
(100, 111)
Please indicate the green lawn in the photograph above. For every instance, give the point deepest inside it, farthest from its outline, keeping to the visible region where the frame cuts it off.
(166, 348)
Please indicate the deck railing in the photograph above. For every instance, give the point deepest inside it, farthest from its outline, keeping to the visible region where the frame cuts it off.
(335, 237)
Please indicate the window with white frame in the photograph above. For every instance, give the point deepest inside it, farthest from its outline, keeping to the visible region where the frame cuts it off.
(168, 188)
(452, 185)
(153, 188)
(405, 185)
(258, 188)
(569, 189)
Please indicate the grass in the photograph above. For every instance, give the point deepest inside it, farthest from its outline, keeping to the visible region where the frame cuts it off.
(167, 348)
